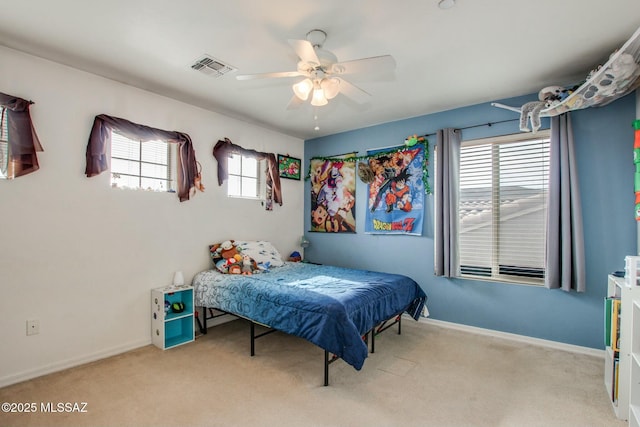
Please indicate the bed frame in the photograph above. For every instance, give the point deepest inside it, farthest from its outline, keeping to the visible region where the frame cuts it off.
(329, 358)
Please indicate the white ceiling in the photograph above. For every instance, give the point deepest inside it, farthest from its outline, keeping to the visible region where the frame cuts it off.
(478, 51)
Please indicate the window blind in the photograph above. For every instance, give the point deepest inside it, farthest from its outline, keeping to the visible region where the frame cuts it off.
(4, 144)
(502, 207)
(146, 165)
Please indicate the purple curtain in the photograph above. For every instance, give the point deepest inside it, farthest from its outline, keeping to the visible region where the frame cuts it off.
(23, 140)
(98, 160)
(224, 148)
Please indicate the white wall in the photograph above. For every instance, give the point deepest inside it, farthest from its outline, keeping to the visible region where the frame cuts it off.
(82, 257)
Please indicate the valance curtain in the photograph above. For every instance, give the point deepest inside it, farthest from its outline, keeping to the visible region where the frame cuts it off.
(23, 140)
(225, 148)
(98, 161)
(446, 202)
(564, 263)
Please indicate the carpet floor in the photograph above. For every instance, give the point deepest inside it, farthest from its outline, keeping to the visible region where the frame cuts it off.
(428, 376)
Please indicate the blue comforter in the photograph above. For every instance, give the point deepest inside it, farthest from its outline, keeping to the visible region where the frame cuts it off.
(332, 307)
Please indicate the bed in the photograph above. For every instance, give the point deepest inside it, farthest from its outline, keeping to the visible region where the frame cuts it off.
(332, 307)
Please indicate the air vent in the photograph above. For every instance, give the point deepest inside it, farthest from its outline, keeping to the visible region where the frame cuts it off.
(212, 67)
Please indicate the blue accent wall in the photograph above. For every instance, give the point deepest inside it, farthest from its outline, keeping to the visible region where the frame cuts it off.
(604, 150)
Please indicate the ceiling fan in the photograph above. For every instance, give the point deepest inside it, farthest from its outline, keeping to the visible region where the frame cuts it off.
(323, 73)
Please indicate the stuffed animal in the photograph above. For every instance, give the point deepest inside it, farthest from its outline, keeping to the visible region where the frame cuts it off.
(234, 259)
(547, 97)
(413, 140)
(551, 95)
(531, 110)
(247, 265)
(624, 67)
(228, 259)
(613, 79)
(295, 256)
(221, 265)
(226, 249)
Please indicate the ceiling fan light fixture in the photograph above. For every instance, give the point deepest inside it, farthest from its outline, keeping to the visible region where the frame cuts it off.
(303, 89)
(320, 73)
(318, 99)
(331, 87)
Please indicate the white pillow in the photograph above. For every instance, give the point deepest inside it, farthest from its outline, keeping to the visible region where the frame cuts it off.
(261, 251)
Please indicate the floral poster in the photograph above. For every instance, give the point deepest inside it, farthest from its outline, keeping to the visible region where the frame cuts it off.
(396, 191)
(333, 195)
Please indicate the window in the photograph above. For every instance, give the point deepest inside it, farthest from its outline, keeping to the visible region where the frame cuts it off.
(244, 177)
(4, 144)
(502, 207)
(144, 165)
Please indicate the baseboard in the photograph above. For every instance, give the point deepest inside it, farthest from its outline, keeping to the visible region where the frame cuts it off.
(515, 337)
(77, 361)
(70, 363)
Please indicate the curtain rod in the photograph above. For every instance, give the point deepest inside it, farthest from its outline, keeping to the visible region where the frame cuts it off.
(477, 126)
(337, 156)
(463, 128)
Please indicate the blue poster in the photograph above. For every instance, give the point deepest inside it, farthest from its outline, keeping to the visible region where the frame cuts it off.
(396, 194)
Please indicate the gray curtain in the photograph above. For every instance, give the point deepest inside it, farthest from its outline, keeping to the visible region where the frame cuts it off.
(446, 202)
(564, 263)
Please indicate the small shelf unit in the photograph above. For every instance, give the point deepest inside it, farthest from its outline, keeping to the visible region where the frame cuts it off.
(634, 388)
(622, 367)
(168, 328)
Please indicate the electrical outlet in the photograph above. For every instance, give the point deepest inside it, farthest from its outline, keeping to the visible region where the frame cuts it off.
(33, 327)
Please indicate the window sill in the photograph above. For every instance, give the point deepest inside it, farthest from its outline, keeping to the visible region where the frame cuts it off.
(522, 281)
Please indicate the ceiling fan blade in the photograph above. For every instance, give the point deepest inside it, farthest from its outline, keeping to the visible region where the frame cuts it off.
(269, 75)
(305, 51)
(354, 92)
(294, 103)
(374, 64)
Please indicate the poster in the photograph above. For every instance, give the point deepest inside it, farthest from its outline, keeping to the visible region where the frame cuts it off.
(396, 193)
(289, 167)
(333, 195)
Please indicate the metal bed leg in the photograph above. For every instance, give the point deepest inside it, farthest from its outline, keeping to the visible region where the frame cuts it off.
(329, 358)
(253, 339)
(383, 327)
(373, 340)
(252, 331)
(196, 315)
(203, 326)
(326, 368)
(202, 320)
